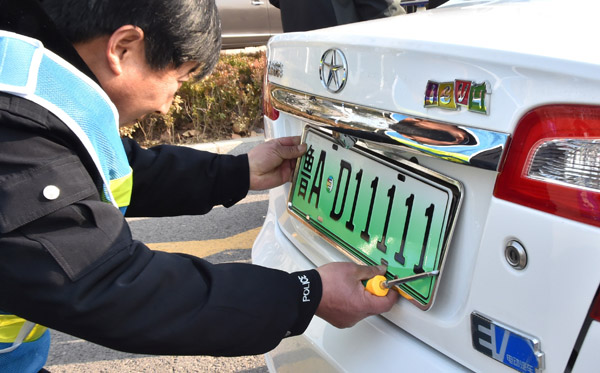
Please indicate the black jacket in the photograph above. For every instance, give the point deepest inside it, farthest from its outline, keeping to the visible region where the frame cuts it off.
(72, 265)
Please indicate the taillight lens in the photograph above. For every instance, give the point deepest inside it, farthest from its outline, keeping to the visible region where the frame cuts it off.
(553, 163)
(268, 109)
(595, 311)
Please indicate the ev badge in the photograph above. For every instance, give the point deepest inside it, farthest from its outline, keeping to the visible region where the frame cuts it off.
(333, 70)
(506, 345)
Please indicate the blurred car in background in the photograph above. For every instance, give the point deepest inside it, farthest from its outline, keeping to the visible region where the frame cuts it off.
(247, 23)
(463, 139)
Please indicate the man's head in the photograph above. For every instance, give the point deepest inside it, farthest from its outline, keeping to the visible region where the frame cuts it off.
(141, 50)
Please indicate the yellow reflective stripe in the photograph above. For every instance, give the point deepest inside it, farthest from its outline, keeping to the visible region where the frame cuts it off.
(10, 326)
(121, 189)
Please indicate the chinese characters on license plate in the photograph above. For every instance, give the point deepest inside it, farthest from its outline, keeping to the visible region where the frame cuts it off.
(376, 209)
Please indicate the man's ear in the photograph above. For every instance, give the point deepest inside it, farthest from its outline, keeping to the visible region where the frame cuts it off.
(125, 45)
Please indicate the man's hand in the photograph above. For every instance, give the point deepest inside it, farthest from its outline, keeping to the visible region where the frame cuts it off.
(345, 301)
(272, 163)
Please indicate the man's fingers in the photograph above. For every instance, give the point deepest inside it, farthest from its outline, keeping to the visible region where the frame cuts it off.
(366, 272)
(383, 304)
(380, 304)
(288, 141)
(342, 303)
(292, 152)
(377, 303)
(290, 147)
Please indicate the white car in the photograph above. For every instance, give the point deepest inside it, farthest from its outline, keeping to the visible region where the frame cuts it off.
(461, 142)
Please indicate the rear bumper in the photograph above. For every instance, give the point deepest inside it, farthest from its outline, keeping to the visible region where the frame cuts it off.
(325, 348)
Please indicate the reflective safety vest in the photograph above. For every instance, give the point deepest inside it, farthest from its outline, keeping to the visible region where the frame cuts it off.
(30, 71)
(16, 330)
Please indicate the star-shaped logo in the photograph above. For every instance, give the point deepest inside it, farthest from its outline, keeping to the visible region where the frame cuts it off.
(333, 70)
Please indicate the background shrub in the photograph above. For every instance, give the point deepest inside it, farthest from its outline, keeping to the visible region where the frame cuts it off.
(224, 104)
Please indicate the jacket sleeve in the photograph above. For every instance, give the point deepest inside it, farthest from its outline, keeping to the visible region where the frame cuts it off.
(77, 270)
(174, 180)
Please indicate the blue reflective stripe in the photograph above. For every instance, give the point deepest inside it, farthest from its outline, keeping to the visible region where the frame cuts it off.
(10, 71)
(89, 110)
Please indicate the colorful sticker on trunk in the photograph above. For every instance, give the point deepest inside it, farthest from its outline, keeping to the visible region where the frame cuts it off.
(459, 93)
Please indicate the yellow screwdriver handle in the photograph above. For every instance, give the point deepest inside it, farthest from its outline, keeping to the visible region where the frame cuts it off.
(375, 286)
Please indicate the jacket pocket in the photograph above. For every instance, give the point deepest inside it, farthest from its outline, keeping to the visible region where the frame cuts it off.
(36, 192)
(82, 236)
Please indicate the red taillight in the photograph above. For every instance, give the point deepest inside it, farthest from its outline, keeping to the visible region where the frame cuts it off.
(553, 163)
(595, 311)
(268, 109)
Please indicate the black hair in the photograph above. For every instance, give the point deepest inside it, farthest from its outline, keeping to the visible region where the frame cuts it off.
(175, 31)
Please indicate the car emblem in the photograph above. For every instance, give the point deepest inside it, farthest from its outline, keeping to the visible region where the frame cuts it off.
(333, 70)
(459, 93)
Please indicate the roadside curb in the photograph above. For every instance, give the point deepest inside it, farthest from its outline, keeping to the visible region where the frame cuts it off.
(225, 146)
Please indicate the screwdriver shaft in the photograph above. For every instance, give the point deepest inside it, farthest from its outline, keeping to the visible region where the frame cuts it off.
(388, 284)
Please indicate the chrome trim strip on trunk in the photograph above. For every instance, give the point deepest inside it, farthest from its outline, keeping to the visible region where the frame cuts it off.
(394, 131)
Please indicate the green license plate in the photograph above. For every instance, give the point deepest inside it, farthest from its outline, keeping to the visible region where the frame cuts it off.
(376, 209)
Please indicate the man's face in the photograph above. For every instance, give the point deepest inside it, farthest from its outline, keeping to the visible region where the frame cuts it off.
(119, 63)
(149, 91)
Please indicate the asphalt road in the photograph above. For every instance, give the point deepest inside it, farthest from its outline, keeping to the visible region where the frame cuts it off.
(222, 235)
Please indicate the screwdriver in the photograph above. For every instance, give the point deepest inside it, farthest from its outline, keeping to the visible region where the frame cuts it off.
(380, 287)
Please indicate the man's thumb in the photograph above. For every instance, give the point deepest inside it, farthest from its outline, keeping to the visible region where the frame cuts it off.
(291, 151)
